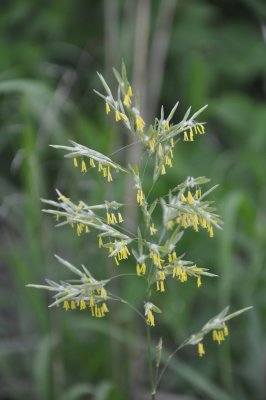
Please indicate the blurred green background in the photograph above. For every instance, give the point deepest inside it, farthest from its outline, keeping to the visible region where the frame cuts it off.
(198, 52)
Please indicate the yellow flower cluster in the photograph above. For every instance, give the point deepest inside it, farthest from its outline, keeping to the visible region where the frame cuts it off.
(160, 281)
(190, 218)
(106, 170)
(195, 129)
(141, 269)
(99, 312)
(81, 228)
(96, 310)
(122, 253)
(119, 116)
(140, 197)
(218, 335)
(165, 154)
(112, 219)
(156, 259)
(180, 272)
(127, 99)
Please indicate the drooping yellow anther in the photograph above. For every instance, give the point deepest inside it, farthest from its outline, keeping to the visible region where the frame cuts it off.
(168, 161)
(140, 124)
(80, 228)
(73, 305)
(198, 194)
(201, 350)
(163, 172)
(226, 331)
(107, 108)
(183, 277)
(166, 125)
(120, 218)
(108, 218)
(172, 142)
(150, 318)
(100, 242)
(129, 91)
(104, 308)
(66, 305)
(97, 312)
(75, 162)
(109, 175)
(186, 139)
(91, 301)
(153, 230)
(127, 100)
(211, 232)
(100, 167)
(82, 305)
(198, 129)
(202, 128)
(140, 197)
(191, 138)
(170, 225)
(221, 336)
(113, 219)
(160, 286)
(152, 145)
(162, 275)
(124, 117)
(117, 116)
(83, 166)
(199, 281)
(92, 163)
(183, 198)
(190, 198)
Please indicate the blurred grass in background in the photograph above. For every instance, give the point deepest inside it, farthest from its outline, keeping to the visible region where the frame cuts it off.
(197, 52)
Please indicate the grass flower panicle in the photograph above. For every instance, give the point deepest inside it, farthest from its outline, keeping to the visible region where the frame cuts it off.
(154, 244)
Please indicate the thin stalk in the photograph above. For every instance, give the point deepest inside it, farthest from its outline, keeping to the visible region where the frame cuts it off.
(150, 367)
